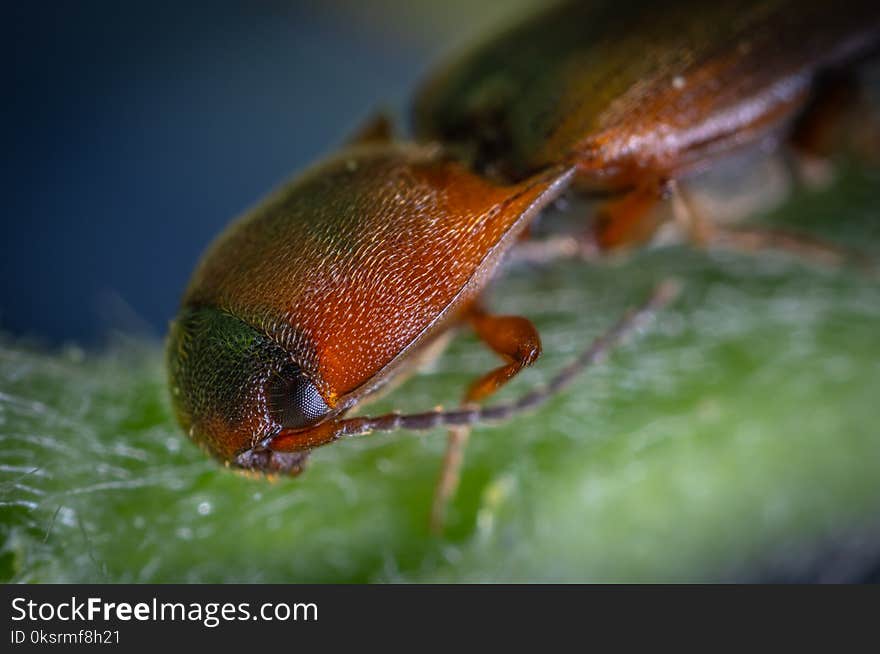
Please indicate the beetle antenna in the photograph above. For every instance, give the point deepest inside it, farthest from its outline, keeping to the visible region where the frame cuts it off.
(662, 295)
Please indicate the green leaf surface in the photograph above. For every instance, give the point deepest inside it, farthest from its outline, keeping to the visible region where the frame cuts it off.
(736, 438)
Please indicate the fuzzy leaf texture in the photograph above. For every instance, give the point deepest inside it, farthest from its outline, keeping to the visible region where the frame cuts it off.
(737, 438)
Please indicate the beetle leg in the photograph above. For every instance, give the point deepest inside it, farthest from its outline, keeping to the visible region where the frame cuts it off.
(625, 222)
(630, 220)
(811, 250)
(688, 217)
(754, 240)
(516, 340)
(841, 116)
(378, 128)
(450, 472)
(548, 249)
(818, 132)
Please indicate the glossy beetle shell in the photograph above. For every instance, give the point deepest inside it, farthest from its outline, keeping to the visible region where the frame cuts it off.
(343, 273)
(628, 88)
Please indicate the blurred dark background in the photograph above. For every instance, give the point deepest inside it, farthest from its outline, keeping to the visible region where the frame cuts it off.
(134, 132)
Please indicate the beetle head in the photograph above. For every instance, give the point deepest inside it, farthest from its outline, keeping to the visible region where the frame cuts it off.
(233, 389)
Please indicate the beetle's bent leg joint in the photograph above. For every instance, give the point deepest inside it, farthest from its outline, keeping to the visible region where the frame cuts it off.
(513, 338)
(516, 340)
(630, 220)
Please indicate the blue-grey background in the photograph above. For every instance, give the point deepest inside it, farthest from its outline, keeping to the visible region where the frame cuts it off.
(133, 132)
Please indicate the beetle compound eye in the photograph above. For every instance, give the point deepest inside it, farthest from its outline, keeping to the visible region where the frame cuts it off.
(294, 400)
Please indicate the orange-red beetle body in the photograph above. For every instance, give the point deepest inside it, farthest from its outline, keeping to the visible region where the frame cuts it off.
(314, 300)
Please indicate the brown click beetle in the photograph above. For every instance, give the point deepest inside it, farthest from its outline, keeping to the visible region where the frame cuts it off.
(348, 276)
(342, 282)
(642, 97)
